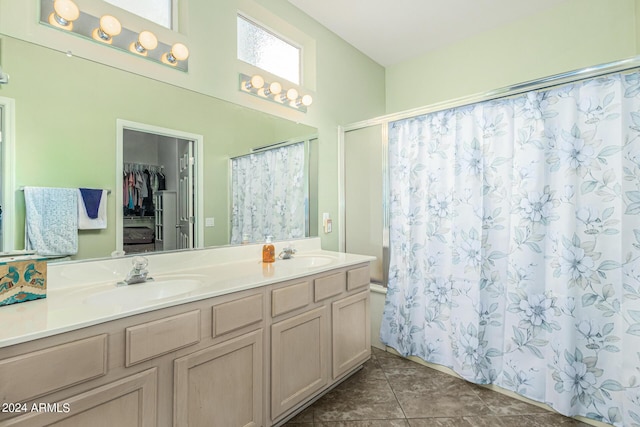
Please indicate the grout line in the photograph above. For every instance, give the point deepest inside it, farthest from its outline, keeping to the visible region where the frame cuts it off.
(392, 389)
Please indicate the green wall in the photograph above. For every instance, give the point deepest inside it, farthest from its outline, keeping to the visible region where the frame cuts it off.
(66, 107)
(573, 35)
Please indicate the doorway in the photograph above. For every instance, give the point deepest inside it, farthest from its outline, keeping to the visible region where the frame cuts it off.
(159, 189)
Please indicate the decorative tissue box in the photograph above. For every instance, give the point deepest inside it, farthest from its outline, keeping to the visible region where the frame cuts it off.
(22, 278)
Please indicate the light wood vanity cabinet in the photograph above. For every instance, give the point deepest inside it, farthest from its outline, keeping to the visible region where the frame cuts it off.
(251, 358)
(351, 337)
(299, 359)
(221, 385)
(319, 334)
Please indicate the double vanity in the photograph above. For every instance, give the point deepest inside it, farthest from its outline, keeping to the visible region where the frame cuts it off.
(217, 338)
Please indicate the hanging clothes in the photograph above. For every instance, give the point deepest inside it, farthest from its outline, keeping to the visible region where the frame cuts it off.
(139, 183)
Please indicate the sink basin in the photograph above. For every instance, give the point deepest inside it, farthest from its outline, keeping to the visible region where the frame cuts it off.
(132, 295)
(309, 261)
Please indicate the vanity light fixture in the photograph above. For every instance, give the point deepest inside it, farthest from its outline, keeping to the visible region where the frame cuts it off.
(146, 41)
(274, 92)
(109, 27)
(178, 52)
(63, 15)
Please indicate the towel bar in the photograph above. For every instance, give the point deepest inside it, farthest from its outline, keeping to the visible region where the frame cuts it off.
(21, 188)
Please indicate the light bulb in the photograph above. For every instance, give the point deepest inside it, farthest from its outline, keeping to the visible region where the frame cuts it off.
(146, 41)
(257, 81)
(109, 27)
(292, 94)
(64, 13)
(307, 100)
(66, 9)
(179, 52)
(274, 89)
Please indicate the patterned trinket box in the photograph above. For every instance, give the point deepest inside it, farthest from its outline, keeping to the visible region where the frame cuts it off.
(22, 279)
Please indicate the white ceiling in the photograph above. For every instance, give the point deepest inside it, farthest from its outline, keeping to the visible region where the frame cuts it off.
(391, 31)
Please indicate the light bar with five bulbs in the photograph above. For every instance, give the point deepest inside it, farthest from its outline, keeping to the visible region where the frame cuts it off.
(256, 85)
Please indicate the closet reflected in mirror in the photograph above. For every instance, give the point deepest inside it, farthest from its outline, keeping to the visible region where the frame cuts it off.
(158, 192)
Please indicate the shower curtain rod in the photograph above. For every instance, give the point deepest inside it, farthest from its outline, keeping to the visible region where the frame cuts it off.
(507, 91)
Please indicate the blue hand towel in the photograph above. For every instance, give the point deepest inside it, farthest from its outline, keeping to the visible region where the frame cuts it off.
(91, 199)
(87, 223)
(51, 223)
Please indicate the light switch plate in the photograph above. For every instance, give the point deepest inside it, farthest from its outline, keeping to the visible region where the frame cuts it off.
(209, 222)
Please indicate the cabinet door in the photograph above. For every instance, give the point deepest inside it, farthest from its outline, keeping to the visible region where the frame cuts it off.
(351, 332)
(220, 385)
(129, 402)
(299, 359)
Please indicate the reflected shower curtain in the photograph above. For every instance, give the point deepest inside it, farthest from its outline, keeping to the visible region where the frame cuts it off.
(515, 245)
(268, 194)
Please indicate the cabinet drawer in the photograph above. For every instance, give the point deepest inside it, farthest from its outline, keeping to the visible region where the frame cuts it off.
(328, 286)
(289, 298)
(34, 374)
(357, 278)
(237, 314)
(162, 336)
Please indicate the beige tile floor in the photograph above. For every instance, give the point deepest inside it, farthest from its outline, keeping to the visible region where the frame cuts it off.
(394, 392)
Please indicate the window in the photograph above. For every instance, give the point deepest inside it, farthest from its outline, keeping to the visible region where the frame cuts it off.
(158, 11)
(263, 49)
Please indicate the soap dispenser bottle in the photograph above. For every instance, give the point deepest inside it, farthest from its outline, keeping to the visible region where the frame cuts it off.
(268, 251)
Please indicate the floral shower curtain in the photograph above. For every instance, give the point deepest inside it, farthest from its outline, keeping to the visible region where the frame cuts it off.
(268, 194)
(515, 244)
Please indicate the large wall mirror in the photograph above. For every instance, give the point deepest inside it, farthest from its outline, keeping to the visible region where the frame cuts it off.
(66, 110)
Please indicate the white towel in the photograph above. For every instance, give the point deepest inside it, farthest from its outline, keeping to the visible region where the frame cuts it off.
(51, 223)
(86, 223)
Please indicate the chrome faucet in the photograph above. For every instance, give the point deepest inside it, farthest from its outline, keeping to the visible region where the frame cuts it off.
(287, 252)
(139, 272)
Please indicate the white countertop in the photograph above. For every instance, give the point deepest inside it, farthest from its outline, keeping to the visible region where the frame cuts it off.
(81, 294)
